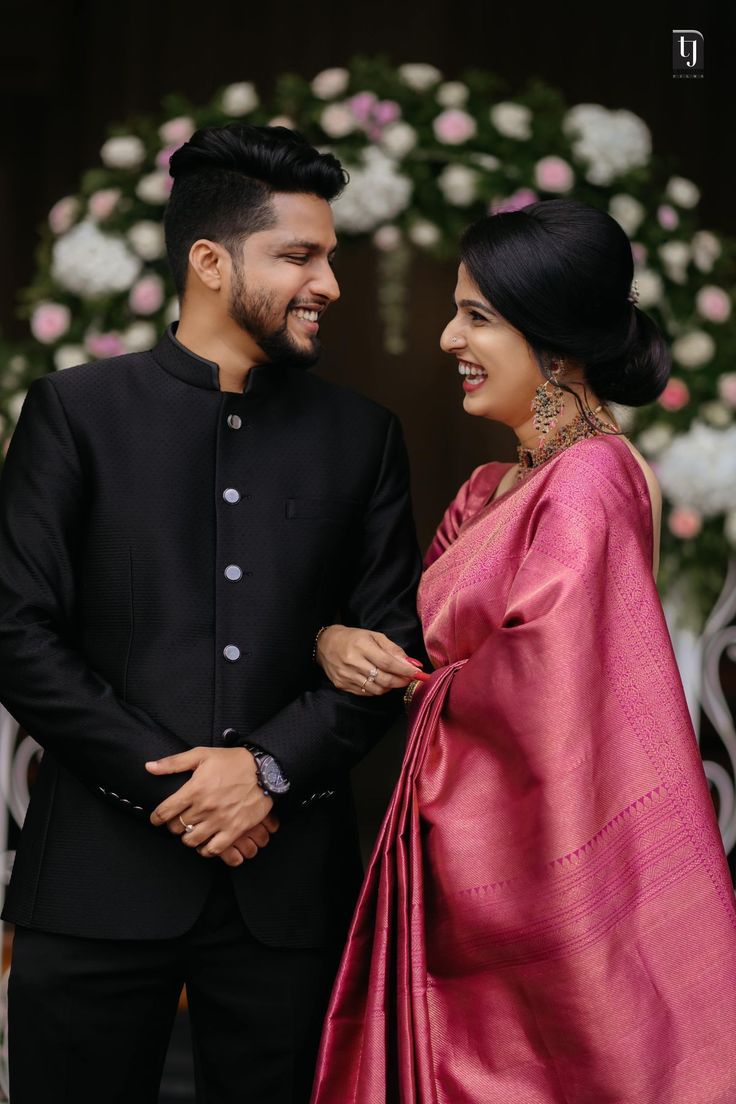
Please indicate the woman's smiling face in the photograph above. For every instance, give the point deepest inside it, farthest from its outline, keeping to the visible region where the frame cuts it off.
(498, 369)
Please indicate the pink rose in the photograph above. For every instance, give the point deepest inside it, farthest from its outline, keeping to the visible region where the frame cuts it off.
(49, 322)
(515, 202)
(147, 295)
(713, 303)
(552, 174)
(362, 105)
(387, 238)
(668, 217)
(164, 156)
(105, 345)
(727, 388)
(639, 252)
(177, 131)
(675, 395)
(453, 127)
(385, 112)
(101, 204)
(63, 214)
(685, 522)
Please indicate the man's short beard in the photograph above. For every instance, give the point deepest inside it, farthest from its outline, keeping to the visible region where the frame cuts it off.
(254, 313)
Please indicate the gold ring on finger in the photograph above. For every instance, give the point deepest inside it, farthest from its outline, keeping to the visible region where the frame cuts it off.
(363, 685)
(185, 826)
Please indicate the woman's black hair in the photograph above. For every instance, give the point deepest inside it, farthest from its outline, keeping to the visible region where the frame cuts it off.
(224, 180)
(560, 272)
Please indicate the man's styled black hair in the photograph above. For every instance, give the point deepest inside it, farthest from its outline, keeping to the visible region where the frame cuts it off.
(224, 178)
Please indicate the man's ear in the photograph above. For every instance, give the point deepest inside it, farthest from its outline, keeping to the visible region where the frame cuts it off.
(209, 263)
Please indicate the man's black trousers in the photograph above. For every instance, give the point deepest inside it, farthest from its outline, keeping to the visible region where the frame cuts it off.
(90, 1020)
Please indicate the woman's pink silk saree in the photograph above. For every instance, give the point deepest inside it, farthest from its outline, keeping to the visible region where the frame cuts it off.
(548, 916)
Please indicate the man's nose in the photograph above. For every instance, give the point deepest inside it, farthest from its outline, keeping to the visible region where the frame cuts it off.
(325, 284)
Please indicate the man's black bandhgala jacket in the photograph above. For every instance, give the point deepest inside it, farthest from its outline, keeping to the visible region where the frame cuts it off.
(130, 486)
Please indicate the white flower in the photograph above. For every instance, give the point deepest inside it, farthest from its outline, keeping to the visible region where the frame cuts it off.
(424, 234)
(420, 77)
(693, 349)
(239, 99)
(387, 238)
(171, 313)
(609, 143)
(126, 152)
(91, 264)
(377, 193)
(512, 120)
(154, 188)
(649, 283)
(330, 83)
(627, 211)
(398, 139)
(452, 94)
(139, 336)
(624, 415)
(730, 528)
(337, 120)
(485, 161)
(706, 250)
(67, 356)
(654, 438)
(283, 121)
(15, 405)
(675, 257)
(458, 184)
(175, 132)
(698, 470)
(147, 239)
(682, 192)
(18, 364)
(716, 414)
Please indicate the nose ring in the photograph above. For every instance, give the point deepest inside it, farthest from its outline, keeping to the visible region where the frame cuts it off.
(454, 341)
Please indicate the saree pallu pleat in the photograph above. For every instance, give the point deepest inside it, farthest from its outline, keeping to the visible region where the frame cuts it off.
(548, 916)
(378, 1036)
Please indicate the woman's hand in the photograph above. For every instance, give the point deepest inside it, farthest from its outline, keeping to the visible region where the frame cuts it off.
(365, 662)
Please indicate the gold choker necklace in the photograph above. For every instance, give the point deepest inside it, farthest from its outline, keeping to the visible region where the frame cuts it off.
(579, 429)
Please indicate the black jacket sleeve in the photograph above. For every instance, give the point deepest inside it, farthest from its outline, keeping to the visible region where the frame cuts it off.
(320, 735)
(45, 683)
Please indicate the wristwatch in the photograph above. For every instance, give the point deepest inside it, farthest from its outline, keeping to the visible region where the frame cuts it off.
(269, 775)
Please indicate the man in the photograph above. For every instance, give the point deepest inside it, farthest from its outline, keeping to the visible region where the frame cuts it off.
(175, 528)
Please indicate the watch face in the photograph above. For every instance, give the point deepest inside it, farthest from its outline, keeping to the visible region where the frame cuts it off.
(272, 775)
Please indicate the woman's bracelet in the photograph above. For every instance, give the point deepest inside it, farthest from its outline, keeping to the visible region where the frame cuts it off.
(316, 642)
(409, 693)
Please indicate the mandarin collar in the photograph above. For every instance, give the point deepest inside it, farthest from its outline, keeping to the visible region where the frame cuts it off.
(181, 362)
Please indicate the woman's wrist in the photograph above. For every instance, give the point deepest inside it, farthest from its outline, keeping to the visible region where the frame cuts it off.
(316, 643)
(320, 638)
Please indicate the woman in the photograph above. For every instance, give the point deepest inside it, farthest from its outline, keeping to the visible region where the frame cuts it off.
(548, 916)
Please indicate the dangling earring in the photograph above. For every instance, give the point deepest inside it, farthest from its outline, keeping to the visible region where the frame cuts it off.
(548, 405)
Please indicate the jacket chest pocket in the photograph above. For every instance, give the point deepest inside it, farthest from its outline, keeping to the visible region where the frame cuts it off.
(321, 509)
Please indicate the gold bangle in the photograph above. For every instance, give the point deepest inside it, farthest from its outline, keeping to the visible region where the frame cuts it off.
(409, 693)
(316, 642)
